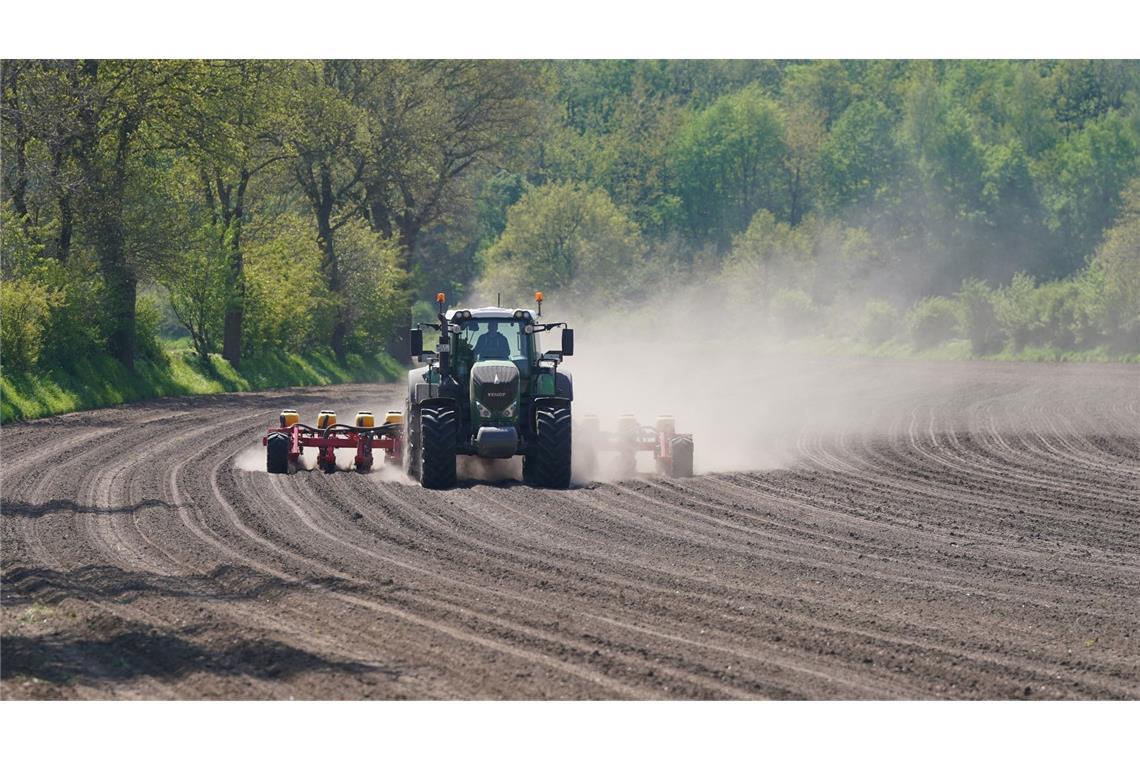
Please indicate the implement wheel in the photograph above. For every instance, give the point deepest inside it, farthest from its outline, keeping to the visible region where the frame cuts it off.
(548, 463)
(439, 427)
(277, 453)
(682, 458)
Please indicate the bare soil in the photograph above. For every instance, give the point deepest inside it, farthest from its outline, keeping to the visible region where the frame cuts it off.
(982, 543)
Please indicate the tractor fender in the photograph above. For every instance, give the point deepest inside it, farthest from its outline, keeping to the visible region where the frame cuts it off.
(419, 389)
(416, 377)
(422, 392)
(564, 385)
(437, 402)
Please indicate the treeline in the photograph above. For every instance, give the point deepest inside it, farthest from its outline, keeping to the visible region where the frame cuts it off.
(281, 206)
(260, 205)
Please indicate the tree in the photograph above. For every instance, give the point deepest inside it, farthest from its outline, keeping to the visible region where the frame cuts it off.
(727, 162)
(1086, 175)
(564, 236)
(1117, 260)
(429, 123)
(327, 135)
(761, 257)
(804, 136)
(819, 87)
(239, 104)
(858, 158)
(98, 113)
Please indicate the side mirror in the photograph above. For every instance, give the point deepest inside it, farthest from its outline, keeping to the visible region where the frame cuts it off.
(415, 342)
(567, 341)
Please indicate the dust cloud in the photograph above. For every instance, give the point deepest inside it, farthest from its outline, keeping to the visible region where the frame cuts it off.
(251, 459)
(749, 403)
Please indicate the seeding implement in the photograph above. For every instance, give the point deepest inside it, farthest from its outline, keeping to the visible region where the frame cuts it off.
(488, 391)
(672, 451)
(285, 444)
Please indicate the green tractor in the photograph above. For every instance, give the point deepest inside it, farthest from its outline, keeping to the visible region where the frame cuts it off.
(489, 390)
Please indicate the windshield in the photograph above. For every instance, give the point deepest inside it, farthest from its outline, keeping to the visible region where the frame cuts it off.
(482, 339)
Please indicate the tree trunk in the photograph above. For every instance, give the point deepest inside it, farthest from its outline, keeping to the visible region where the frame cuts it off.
(66, 224)
(330, 267)
(235, 305)
(121, 292)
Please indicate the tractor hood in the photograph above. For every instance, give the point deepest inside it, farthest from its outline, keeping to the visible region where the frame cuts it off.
(495, 388)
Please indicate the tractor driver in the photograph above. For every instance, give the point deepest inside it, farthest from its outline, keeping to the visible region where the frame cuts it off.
(492, 344)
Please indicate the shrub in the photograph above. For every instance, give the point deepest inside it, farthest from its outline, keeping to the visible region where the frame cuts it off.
(25, 313)
(879, 322)
(148, 321)
(932, 321)
(979, 319)
(1016, 308)
(793, 313)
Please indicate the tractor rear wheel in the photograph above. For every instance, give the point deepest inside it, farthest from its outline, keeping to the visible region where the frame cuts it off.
(682, 457)
(277, 453)
(548, 463)
(438, 429)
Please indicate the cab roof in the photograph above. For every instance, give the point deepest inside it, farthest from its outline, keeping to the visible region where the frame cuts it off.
(491, 312)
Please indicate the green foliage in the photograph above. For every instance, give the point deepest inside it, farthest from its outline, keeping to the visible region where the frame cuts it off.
(879, 322)
(149, 318)
(285, 206)
(287, 303)
(102, 381)
(979, 319)
(564, 236)
(375, 295)
(823, 257)
(768, 251)
(1087, 174)
(793, 314)
(1016, 308)
(859, 157)
(932, 321)
(25, 309)
(726, 162)
(198, 286)
(1117, 268)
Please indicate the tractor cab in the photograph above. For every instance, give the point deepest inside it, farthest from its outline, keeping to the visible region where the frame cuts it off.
(491, 335)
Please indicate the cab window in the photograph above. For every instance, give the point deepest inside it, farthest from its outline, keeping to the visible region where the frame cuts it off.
(483, 339)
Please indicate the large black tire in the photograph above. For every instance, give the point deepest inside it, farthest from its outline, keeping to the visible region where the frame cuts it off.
(438, 429)
(682, 457)
(277, 453)
(548, 464)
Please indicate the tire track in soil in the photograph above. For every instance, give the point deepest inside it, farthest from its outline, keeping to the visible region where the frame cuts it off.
(980, 541)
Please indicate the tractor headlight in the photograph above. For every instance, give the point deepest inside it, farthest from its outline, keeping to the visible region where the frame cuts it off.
(483, 411)
(510, 410)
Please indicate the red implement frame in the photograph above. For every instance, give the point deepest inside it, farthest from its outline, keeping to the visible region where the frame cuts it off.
(632, 437)
(390, 438)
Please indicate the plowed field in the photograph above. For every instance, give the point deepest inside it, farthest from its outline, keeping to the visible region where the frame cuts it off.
(982, 541)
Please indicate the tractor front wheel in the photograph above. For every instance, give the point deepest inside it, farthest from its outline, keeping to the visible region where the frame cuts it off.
(547, 465)
(438, 429)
